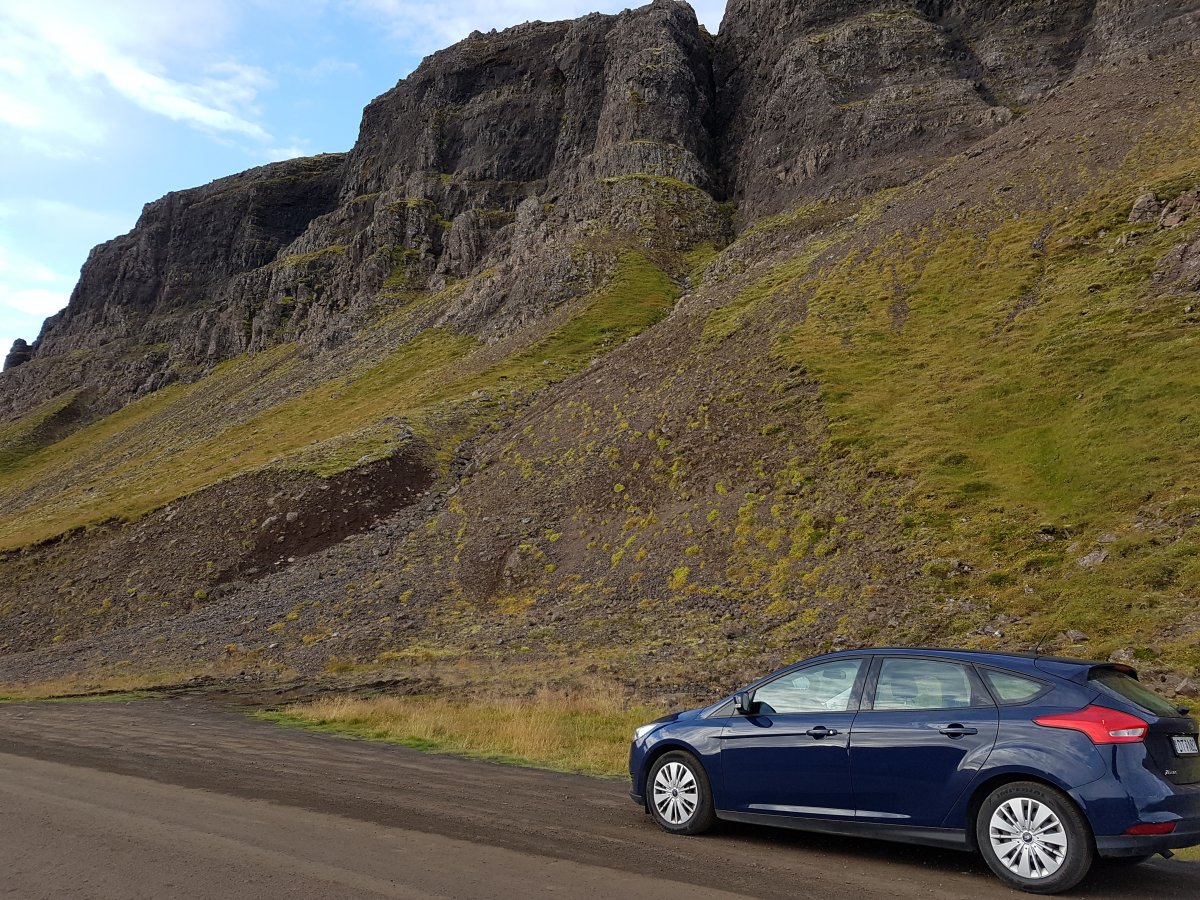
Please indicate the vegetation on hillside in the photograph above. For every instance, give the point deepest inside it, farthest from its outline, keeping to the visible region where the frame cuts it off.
(248, 413)
(1040, 385)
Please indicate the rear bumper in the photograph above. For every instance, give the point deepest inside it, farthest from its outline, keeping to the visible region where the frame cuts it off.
(1146, 845)
(1137, 793)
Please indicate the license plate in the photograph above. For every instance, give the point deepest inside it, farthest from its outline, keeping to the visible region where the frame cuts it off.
(1184, 744)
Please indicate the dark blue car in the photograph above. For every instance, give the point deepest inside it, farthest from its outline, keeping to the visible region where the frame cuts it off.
(1037, 762)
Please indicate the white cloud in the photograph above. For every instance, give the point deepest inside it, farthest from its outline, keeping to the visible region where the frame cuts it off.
(30, 288)
(428, 26)
(29, 292)
(16, 268)
(63, 63)
(69, 219)
(39, 302)
(278, 154)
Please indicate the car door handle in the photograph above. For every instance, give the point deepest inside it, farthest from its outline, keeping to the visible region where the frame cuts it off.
(821, 732)
(957, 731)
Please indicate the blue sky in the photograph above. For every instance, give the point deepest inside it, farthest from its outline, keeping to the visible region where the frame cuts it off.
(107, 105)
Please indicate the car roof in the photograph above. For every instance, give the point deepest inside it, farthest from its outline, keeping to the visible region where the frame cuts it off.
(994, 657)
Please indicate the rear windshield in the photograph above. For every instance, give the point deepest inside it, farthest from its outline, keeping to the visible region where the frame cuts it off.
(1130, 688)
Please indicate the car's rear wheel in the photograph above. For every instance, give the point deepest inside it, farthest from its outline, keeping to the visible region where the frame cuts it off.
(1034, 838)
(680, 799)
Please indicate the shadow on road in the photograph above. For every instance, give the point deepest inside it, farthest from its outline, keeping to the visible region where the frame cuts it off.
(1158, 878)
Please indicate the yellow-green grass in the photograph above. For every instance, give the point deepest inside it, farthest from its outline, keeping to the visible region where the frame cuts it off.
(20, 438)
(185, 437)
(585, 732)
(94, 686)
(1031, 375)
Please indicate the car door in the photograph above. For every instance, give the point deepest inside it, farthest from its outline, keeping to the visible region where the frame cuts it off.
(790, 757)
(926, 727)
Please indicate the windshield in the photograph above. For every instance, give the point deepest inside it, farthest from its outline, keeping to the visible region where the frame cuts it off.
(1130, 688)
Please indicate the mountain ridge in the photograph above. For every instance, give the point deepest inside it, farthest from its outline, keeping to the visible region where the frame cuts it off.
(621, 352)
(917, 56)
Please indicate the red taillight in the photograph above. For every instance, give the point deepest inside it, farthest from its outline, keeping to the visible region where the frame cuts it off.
(1101, 724)
(1151, 828)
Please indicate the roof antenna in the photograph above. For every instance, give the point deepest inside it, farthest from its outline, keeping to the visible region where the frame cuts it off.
(1053, 627)
(1037, 647)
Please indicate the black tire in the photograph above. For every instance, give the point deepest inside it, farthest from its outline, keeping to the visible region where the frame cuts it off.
(689, 810)
(1034, 838)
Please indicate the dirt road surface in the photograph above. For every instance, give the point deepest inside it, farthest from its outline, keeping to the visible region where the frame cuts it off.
(191, 798)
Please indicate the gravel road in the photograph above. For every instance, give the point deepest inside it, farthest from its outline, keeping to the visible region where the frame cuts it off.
(188, 797)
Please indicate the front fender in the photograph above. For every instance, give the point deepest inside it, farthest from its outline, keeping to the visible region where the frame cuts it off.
(701, 739)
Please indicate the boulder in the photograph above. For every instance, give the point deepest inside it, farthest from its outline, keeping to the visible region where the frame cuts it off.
(1180, 209)
(1146, 210)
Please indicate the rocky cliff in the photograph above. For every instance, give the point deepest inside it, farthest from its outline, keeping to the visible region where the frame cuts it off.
(497, 144)
(496, 154)
(721, 348)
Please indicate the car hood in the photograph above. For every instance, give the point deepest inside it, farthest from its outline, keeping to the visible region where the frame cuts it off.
(678, 717)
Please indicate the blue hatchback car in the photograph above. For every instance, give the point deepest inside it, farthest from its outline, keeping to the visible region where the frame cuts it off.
(1037, 762)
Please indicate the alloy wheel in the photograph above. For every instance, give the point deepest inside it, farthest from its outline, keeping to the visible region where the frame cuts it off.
(1028, 837)
(676, 793)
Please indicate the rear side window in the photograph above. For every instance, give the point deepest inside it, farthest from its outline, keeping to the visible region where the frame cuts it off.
(1129, 688)
(925, 684)
(1010, 689)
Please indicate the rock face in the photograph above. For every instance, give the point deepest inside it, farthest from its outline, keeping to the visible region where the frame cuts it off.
(1120, 29)
(1146, 209)
(20, 353)
(503, 153)
(185, 249)
(510, 158)
(842, 97)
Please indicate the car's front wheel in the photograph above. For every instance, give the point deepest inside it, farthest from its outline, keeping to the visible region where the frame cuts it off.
(680, 798)
(1033, 837)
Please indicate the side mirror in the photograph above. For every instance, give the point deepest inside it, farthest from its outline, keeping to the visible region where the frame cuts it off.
(1184, 710)
(744, 704)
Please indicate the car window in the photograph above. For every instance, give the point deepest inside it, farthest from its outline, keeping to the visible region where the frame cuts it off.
(1130, 688)
(827, 687)
(923, 684)
(1011, 689)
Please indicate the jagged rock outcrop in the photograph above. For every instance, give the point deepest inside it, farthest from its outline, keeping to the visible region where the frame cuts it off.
(506, 154)
(546, 104)
(20, 353)
(184, 249)
(1123, 29)
(844, 97)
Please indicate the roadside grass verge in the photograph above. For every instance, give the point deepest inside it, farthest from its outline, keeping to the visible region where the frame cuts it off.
(116, 682)
(566, 732)
(93, 687)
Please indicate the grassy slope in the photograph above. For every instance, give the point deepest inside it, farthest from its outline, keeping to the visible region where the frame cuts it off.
(1005, 357)
(1029, 374)
(184, 437)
